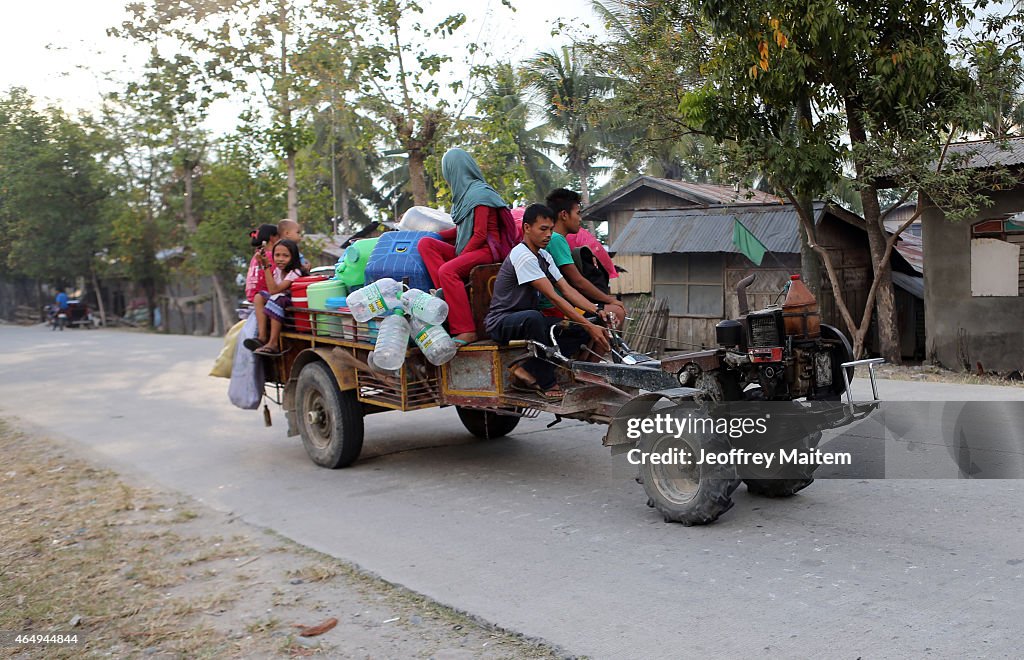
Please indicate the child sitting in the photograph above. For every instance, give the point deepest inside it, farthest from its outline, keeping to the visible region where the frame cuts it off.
(272, 303)
(263, 239)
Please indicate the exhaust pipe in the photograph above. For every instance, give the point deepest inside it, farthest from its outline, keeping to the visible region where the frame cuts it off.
(741, 293)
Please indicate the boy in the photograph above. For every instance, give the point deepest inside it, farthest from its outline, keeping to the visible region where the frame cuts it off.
(528, 271)
(289, 230)
(565, 204)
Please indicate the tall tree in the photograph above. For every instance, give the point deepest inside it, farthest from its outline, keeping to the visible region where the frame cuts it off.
(243, 45)
(342, 163)
(399, 76)
(803, 87)
(569, 91)
(240, 191)
(511, 145)
(653, 54)
(52, 191)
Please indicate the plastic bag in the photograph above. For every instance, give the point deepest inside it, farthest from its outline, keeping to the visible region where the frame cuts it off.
(222, 365)
(246, 388)
(424, 218)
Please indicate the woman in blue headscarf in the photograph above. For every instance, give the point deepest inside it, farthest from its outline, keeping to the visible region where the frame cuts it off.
(481, 235)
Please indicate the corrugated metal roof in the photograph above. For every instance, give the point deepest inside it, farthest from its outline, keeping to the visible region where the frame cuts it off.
(688, 193)
(912, 285)
(710, 229)
(911, 248)
(988, 153)
(711, 193)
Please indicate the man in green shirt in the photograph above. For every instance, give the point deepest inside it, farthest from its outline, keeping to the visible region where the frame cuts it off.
(566, 206)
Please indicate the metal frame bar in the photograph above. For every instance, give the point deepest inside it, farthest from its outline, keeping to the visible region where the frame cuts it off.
(870, 362)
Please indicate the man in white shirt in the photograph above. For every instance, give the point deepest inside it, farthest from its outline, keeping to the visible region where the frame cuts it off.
(527, 272)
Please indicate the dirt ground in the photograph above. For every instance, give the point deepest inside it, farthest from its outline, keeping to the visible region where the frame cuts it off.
(933, 374)
(137, 572)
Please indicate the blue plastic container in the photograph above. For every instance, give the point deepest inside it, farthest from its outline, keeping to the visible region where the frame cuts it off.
(396, 256)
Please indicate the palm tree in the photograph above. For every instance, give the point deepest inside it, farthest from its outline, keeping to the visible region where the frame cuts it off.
(348, 165)
(503, 102)
(570, 91)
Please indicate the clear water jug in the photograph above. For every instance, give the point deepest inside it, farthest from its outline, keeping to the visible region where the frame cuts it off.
(437, 346)
(425, 307)
(374, 299)
(373, 365)
(392, 341)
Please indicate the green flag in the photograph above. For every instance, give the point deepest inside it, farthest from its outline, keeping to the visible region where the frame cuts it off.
(747, 243)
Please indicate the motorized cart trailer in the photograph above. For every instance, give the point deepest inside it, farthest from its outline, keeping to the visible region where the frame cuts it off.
(326, 387)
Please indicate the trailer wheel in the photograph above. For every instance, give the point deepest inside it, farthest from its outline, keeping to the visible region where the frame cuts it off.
(688, 494)
(486, 424)
(330, 421)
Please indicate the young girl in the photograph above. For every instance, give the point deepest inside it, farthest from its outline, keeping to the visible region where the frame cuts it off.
(263, 239)
(271, 303)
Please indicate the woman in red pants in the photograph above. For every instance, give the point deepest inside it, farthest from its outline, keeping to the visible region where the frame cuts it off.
(483, 234)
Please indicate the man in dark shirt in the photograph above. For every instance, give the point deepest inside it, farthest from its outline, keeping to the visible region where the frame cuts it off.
(527, 272)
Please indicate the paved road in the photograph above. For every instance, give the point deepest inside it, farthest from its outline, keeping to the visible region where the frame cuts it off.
(535, 534)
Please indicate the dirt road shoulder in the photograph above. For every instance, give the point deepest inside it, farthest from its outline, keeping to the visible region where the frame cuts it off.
(135, 571)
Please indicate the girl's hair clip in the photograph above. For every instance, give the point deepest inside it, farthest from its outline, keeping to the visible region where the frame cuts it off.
(253, 233)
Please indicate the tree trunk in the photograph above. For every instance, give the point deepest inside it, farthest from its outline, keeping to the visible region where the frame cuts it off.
(346, 216)
(885, 300)
(810, 263)
(885, 306)
(286, 113)
(293, 188)
(418, 177)
(225, 311)
(190, 218)
(99, 299)
(584, 175)
(585, 186)
(150, 289)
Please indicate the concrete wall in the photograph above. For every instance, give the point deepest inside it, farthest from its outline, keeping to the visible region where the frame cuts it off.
(964, 330)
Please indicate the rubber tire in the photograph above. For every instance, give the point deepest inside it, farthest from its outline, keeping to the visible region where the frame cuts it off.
(485, 424)
(782, 487)
(714, 484)
(336, 441)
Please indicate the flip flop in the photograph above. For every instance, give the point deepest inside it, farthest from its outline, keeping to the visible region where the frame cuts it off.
(520, 384)
(263, 350)
(553, 393)
(461, 342)
(252, 343)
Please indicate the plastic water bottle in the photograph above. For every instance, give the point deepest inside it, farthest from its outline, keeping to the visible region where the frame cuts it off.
(392, 341)
(372, 363)
(374, 299)
(425, 307)
(436, 344)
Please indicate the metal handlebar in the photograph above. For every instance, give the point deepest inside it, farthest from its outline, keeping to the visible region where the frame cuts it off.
(870, 362)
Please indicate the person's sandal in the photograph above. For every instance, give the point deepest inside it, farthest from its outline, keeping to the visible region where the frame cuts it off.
(520, 384)
(553, 393)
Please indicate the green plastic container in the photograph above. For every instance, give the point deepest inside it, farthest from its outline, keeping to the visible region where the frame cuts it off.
(351, 269)
(317, 295)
